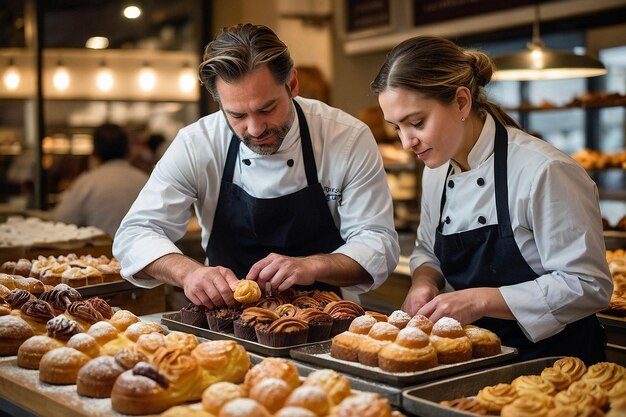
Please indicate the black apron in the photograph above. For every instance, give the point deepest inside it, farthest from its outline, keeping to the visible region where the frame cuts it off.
(489, 257)
(247, 229)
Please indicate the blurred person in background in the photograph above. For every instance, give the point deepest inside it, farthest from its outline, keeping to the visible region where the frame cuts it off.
(102, 196)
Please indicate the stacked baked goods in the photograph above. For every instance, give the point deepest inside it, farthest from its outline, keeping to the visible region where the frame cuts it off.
(400, 343)
(73, 270)
(286, 319)
(617, 265)
(567, 388)
(273, 388)
(20, 231)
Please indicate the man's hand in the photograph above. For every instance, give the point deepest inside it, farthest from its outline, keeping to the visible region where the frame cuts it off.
(210, 286)
(283, 272)
(417, 296)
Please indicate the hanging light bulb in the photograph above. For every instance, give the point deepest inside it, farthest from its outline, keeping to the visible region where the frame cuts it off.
(147, 78)
(132, 12)
(540, 63)
(11, 76)
(61, 77)
(187, 80)
(104, 79)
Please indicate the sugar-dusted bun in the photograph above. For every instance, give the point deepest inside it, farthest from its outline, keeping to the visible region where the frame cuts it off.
(377, 315)
(362, 324)
(60, 366)
(141, 390)
(605, 374)
(186, 410)
(367, 404)
(525, 406)
(243, 407)
(450, 341)
(183, 340)
(97, 377)
(85, 343)
(310, 397)
(273, 368)
(469, 405)
(149, 343)
(130, 356)
(271, 393)
(4, 290)
(485, 343)
(345, 346)
(218, 394)
(292, 411)
(559, 379)
(572, 366)
(494, 397)
(13, 332)
(103, 332)
(247, 291)
(399, 319)
(336, 385)
(532, 383)
(32, 285)
(410, 352)
(122, 319)
(381, 334)
(141, 327)
(31, 351)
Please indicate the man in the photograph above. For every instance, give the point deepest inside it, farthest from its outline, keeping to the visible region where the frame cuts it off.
(287, 191)
(102, 196)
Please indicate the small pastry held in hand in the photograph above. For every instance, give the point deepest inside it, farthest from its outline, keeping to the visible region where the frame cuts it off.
(247, 292)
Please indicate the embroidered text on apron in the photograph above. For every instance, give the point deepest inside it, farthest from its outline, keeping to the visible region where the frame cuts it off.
(246, 229)
(489, 257)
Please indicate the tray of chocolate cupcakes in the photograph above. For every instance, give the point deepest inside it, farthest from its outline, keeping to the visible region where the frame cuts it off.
(403, 350)
(554, 386)
(271, 325)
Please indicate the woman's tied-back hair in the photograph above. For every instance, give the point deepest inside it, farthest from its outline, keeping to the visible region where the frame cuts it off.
(239, 50)
(435, 67)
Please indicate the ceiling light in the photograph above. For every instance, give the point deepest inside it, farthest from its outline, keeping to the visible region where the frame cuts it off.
(61, 77)
(132, 12)
(97, 42)
(539, 63)
(147, 78)
(188, 79)
(11, 76)
(104, 78)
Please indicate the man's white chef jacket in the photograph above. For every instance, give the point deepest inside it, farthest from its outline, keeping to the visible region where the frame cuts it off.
(349, 168)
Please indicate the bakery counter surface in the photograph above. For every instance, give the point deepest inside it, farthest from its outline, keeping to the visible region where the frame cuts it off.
(26, 394)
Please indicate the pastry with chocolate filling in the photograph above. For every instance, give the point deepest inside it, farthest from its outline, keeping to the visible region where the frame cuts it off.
(37, 313)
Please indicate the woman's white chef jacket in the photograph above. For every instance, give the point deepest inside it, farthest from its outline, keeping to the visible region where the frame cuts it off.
(556, 222)
(349, 169)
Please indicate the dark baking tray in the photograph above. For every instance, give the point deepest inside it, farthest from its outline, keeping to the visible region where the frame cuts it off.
(319, 354)
(172, 321)
(424, 400)
(105, 288)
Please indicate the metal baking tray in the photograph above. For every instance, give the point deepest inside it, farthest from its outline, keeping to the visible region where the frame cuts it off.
(424, 399)
(319, 354)
(172, 321)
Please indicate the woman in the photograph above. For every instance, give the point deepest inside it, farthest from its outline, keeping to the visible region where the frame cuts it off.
(508, 221)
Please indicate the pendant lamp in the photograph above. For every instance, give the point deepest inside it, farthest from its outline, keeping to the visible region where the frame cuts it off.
(539, 63)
